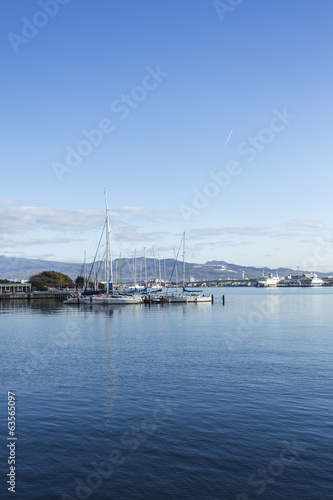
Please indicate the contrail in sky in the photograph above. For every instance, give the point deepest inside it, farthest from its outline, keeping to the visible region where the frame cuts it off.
(226, 142)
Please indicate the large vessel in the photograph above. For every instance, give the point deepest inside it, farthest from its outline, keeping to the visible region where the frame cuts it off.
(310, 279)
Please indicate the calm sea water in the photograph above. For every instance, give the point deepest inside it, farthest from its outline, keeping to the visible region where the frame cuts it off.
(174, 402)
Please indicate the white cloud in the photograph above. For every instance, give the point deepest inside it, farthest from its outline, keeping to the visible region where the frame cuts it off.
(5, 202)
(33, 227)
(210, 232)
(301, 224)
(134, 236)
(18, 220)
(131, 209)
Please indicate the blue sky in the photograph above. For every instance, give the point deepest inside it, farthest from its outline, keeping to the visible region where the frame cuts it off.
(213, 118)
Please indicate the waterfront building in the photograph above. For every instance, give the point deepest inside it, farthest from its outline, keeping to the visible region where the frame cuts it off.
(15, 287)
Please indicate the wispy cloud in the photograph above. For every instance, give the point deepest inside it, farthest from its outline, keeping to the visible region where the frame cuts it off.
(218, 244)
(306, 224)
(131, 209)
(17, 219)
(6, 202)
(34, 227)
(211, 232)
(17, 243)
(140, 237)
(302, 230)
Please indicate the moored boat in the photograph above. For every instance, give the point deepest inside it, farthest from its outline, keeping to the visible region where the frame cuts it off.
(186, 296)
(268, 281)
(112, 299)
(74, 299)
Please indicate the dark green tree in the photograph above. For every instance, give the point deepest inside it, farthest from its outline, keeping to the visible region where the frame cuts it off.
(46, 279)
(79, 281)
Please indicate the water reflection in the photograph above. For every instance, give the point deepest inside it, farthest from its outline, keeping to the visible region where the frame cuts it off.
(43, 306)
(111, 385)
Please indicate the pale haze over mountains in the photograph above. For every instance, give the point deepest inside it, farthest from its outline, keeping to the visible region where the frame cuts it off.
(20, 268)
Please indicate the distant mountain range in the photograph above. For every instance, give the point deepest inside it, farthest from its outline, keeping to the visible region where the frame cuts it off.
(18, 268)
(13, 268)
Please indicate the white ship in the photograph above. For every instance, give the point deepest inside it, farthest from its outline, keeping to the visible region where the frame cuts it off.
(310, 279)
(267, 281)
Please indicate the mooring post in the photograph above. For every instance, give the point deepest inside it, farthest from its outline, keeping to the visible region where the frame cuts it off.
(223, 300)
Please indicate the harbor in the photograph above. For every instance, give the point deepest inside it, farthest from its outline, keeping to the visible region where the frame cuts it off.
(166, 250)
(14, 291)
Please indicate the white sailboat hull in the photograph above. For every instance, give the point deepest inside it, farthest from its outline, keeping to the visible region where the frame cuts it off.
(105, 300)
(186, 299)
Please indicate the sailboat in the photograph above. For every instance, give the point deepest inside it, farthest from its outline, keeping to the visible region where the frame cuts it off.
(185, 297)
(109, 298)
(76, 298)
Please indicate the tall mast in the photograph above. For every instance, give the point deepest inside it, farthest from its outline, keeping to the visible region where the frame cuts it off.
(184, 260)
(140, 279)
(107, 247)
(116, 273)
(120, 271)
(159, 267)
(146, 276)
(135, 268)
(105, 268)
(154, 262)
(174, 253)
(85, 271)
(164, 273)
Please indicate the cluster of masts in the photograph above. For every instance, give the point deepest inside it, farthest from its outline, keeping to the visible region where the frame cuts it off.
(136, 295)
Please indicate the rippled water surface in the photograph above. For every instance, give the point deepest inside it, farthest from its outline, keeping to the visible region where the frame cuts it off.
(177, 402)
